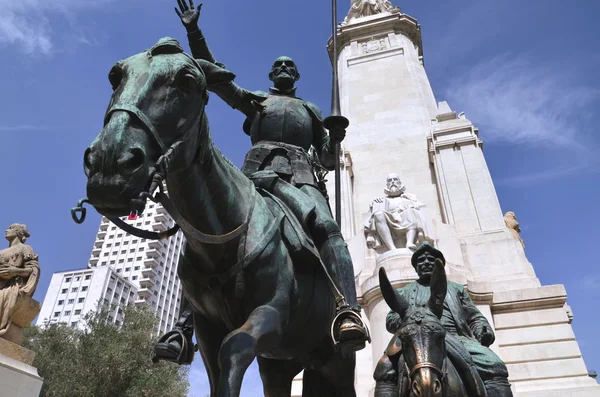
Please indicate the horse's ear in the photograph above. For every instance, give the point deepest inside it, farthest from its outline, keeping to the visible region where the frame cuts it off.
(438, 287)
(215, 74)
(395, 301)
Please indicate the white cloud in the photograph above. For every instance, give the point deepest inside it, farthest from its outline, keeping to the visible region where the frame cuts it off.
(514, 100)
(32, 24)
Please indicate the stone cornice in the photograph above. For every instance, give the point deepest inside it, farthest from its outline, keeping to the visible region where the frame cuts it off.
(365, 28)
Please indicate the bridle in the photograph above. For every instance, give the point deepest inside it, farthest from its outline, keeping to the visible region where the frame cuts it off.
(162, 165)
(425, 364)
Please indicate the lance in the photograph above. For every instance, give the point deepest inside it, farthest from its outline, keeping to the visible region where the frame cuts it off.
(336, 122)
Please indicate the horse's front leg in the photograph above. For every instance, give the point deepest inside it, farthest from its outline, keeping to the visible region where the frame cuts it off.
(260, 333)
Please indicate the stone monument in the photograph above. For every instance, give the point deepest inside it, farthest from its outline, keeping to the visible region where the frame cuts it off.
(19, 276)
(398, 126)
(510, 219)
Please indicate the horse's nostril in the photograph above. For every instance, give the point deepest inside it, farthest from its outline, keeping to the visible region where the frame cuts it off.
(87, 162)
(132, 160)
(415, 388)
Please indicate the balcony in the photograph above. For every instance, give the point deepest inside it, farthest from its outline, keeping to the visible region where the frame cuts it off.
(146, 282)
(98, 243)
(101, 235)
(96, 252)
(94, 260)
(104, 227)
(144, 293)
(150, 262)
(161, 210)
(148, 272)
(159, 227)
(155, 244)
(140, 302)
(161, 218)
(153, 253)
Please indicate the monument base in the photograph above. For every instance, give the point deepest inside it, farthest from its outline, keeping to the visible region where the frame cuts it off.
(18, 379)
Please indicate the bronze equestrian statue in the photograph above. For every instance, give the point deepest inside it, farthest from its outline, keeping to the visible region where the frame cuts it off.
(253, 277)
(440, 343)
(282, 128)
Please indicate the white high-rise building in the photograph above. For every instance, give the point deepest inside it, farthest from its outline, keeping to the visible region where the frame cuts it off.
(74, 293)
(150, 265)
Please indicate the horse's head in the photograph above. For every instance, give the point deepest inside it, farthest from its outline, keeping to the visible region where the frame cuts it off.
(156, 109)
(421, 333)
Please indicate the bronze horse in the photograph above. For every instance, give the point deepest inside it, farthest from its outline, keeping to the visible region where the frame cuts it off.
(252, 297)
(425, 369)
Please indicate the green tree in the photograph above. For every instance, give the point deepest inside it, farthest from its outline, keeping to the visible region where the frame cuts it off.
(105, 360)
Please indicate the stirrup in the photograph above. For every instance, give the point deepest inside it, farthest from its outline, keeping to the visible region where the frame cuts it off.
(352, 345)
(164, 351)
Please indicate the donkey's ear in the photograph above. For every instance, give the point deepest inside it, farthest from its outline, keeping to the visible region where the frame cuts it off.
(438, 287)
(395, 301)
(215, 74)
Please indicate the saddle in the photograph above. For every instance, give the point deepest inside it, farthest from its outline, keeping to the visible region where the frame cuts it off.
(282, 197)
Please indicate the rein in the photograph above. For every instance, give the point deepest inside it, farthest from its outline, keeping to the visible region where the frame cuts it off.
(157, 183)
(425, 364)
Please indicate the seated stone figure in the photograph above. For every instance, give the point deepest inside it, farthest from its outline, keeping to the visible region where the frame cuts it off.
(397, 214)
(19, 274)
(468, 335)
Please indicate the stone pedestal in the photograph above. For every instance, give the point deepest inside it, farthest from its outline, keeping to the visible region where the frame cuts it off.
(18, 378)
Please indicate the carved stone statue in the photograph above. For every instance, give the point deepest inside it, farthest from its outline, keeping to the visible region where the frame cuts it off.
(363, 8)
(510, 219)
(19, 275)
(431, 317)
(398, 214)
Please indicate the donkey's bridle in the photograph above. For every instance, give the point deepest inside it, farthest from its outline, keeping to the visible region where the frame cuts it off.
(425, 364)
(159, 175)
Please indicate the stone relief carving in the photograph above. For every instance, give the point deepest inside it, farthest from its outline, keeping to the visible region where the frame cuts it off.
(510, 220)
(363, 8)
(374, 45)
(19, 275)
(396, 219)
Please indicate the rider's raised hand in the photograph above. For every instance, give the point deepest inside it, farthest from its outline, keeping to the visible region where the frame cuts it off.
(189, 14)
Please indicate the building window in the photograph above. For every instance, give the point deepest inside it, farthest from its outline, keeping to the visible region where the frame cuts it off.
(74, 289)
(64, 291)
(88, 277)
(132, 250)
(124, 251)
(67, 313)
(112, 262)
(80, 300)
(77, 278)
(119, 270)
(129, 259)
(120, 235)
(127, 269)
(71, 301)
(141, 249)
(61, 302)
(106, 254)
(84, 288)
(117, 243)
(56, 314)
(74, 324)
(67, 279)
(136, 267)
(77, 312)
(103, 263)
(108, 245)
(109, 291)
(119, 284)
(134, 277)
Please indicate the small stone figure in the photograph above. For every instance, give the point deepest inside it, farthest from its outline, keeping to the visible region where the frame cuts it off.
(397, 214)
(510, 220)
(363, 8)
(19, 273)
(467, 332)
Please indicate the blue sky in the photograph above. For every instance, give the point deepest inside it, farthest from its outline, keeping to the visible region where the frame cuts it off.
(525, 72)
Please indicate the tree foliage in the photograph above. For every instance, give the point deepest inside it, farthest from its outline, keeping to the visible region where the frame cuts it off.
(104, 360)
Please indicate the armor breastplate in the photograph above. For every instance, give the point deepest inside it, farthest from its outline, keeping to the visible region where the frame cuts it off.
(284, 119)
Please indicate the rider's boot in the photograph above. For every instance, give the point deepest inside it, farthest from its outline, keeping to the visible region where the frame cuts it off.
(176, 345)
(349, 331)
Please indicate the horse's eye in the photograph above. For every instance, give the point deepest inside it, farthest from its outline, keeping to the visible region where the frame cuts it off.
(115, 76)
(188, 83)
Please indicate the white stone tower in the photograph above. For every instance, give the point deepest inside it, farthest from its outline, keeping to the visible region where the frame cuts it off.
(396, 126)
